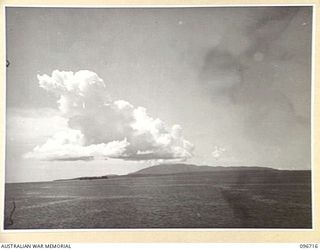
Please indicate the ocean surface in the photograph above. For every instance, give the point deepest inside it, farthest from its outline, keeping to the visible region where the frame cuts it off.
(244, 199)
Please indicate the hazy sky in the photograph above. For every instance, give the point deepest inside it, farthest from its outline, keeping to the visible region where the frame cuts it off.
(110, 91)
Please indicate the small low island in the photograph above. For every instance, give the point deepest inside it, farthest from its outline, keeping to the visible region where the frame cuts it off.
(86, 178)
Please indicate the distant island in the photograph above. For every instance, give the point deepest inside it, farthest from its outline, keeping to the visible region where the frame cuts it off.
(165, 169)
(172, 169)
(87, 178)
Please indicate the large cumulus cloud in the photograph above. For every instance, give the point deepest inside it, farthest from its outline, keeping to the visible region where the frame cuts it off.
(99, 127)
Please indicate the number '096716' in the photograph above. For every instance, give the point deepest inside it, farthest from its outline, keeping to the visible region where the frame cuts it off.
(308, 245)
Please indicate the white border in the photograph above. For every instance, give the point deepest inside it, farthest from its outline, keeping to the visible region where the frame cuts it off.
(4, 89)
(150, 6)
(312, 111)
(135, 6)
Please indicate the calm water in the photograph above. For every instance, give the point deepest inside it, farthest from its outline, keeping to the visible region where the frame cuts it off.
(198, 200)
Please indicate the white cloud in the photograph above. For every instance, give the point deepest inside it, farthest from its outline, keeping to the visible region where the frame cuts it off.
(69, 145)
(99, 127)
(217, 152)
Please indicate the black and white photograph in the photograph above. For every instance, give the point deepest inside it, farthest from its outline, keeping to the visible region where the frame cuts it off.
(170, 117)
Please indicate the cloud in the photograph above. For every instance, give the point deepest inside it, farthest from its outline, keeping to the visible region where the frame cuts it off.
(217, 152)
(101, 128)
(69, 145)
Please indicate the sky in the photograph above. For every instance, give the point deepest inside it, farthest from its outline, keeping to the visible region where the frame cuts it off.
(114, 90)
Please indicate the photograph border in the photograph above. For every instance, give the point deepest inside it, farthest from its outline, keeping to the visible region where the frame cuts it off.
(170, 235)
